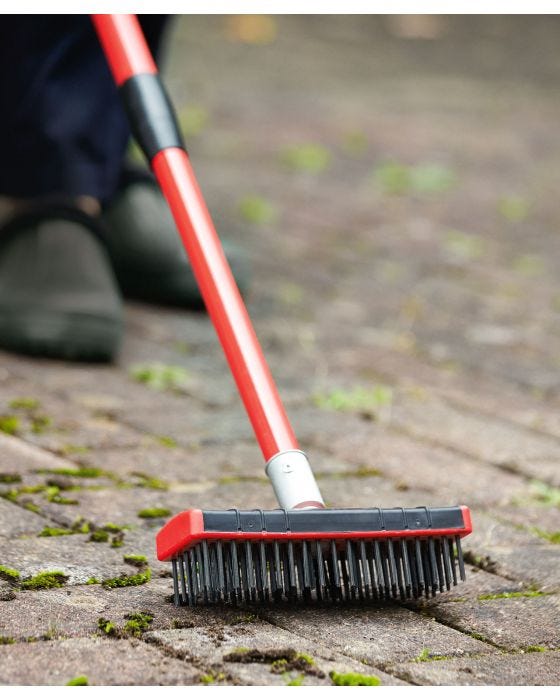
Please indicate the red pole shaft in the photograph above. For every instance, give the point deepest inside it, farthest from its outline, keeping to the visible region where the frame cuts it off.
(128, 54)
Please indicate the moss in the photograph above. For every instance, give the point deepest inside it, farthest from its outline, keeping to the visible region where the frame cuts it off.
(512, 594)
(11, 575)
(45, 579)
(166, 441)
(79, 680)
(107, 627)
(424, 179)
(24, 403)
(56, 532)
(117, 541)
(134, 580)
(545, 494)
(353, 679)
(534, 648)
(99, 536)
(70, 449)
(9, 425)
(513, 208)
(78, 472)
(256, 210)
(137, 623)
(138, 560)
(40, 423)
(92, 581)
(113, 527)
(308, 157)
(150, 482)
(159, 376)
(81, 526)
(296, 681)
(148, 513)
(7, 640)
(552, 537)
(211, 678)
(10, 478)
(359, 473)
(53, 496)
(427, 655)
(368, 402)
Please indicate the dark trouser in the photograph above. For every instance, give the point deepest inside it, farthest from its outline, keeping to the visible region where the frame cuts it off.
(62, 128)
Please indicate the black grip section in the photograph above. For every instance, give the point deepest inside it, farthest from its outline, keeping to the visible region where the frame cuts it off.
(333, 520)
(151, 114)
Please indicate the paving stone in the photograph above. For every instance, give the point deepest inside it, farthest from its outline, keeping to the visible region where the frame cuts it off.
(74, 555)
(103, 662)
(212, 647)
(512, 623)
(514, 553)
(381, 636)
(16, 521)
(509, 669)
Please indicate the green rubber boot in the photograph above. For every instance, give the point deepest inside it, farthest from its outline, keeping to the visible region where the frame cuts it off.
(147, 254)
(58, 295)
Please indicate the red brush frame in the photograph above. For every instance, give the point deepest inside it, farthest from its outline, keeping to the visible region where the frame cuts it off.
(128, 56)
(187, 529)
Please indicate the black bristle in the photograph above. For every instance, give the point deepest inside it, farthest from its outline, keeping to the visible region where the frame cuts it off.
(323, 570)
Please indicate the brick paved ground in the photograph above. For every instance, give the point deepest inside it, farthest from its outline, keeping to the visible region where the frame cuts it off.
(418, 252)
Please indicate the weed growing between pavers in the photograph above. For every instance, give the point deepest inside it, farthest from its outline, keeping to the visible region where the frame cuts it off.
(211, 678)
(77, 472)
(427, 655)
(353, 679)
(8, 574)
(512, 594)
(79, 680)
(281, 660)
(137, 623)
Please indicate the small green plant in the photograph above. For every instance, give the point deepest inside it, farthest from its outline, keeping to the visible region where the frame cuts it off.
(166, 441)
(79, 680)
(159, 376)
(427, 655)
(40, 423)
(122, 581)
(92, 581)
(11, 575)
(369, 402)
(7, 640)
(99, 536)
(552, 537)
(150, 482)
(353, 679)
(148, 513)
(256, 210)
(9, 425)
(78, 472)
(45, 579)
(308, 157)
(211, 678)
(296, 681)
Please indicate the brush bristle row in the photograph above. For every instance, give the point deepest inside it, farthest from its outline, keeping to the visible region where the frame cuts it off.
(253, 571)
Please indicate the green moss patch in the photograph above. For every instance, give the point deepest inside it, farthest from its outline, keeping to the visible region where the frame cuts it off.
(11, 575)
(9, 425)
(137, 623)
(424, 179)
(369, 402)
(513, 208)
(256, 210)
(308, 157)
(211, 678)
(107, 627)
(45, 579)
(146, 481)
(24, 403)
(56, 532)
(78, 472)
(138, 560)
(7, 640)
(79, 680)
(123, 581)
(512, 594)
(281, 660)
(552, 537)
(159, 376)
(544, 494)
(353, 679)
(148, 513)
(10, 478)
(427, 655)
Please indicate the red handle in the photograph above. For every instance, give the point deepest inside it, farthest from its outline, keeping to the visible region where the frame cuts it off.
(128, 56)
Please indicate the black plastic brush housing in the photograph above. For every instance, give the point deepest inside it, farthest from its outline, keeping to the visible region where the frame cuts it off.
(325, 555)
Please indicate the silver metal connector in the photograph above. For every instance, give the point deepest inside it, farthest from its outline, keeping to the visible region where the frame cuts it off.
(293, 481)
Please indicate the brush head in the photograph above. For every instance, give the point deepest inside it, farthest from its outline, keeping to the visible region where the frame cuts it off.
(322, 554)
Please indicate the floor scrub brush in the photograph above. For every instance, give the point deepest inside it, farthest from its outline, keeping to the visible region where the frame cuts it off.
(303, 550)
